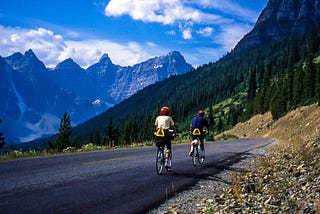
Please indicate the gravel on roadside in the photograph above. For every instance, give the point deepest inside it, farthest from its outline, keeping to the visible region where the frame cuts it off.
(207, 191)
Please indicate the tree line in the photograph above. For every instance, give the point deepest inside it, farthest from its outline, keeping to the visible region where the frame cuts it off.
(2, 139)
(288, 80)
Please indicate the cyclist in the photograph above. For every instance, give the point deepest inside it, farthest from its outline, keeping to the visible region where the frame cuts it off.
(163, 124)
(197, 129)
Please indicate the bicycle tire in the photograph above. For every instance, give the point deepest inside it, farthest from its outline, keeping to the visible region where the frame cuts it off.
(159, 161)
(169, 162)
(194, 156)
(201, 157)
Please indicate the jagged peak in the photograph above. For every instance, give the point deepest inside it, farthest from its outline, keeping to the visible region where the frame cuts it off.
(30, 54)
(19, 61)
(105, 59)
(67, 64)
(15, 56)
(67, 61)
(174, 53)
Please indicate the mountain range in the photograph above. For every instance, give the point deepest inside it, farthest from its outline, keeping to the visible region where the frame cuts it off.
(208, 84)
(34, 97)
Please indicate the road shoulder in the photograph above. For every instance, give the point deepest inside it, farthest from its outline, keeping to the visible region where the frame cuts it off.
(207, 191)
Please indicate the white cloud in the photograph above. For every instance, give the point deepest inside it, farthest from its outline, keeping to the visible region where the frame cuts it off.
(207, 31)
(45, 43)
(207, 55)
(171, 32)
(52, 48)
(184, 13)
(230, 35)
(228, 7)
(186, 34)
(160, 11)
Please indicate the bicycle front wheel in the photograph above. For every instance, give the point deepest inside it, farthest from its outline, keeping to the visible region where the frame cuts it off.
(159, 161)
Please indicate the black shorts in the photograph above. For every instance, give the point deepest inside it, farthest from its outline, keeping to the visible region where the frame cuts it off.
(166, 140)
(200, 137)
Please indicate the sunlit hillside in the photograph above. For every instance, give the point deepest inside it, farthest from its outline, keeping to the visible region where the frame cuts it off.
(299, 125)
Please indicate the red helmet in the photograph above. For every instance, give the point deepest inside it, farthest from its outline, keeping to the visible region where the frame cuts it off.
(164, 110)
(201, 112)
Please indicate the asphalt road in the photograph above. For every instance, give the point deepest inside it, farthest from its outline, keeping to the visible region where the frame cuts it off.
(117, 181)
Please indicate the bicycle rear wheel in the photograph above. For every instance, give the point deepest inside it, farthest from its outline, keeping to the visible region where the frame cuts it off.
(201, 156)
(195, 156)
(159, 161)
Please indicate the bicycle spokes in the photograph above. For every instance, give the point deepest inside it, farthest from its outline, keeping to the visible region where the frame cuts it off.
(198, 155)
(160, 161)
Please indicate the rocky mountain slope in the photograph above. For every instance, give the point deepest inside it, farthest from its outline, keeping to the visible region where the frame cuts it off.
(122, 82)
(282, 18)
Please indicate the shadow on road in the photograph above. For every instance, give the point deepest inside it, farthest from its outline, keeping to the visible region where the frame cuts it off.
(208, 170)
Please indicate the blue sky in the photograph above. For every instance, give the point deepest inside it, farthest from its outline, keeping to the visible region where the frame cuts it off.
(129, 31)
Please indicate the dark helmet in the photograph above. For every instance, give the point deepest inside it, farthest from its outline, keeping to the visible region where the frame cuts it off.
(164, 110)
(201, 112)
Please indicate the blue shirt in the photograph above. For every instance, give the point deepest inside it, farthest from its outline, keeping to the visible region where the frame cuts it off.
(199, 122)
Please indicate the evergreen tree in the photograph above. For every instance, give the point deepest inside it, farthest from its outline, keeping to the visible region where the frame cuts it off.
(278, 104)
(2, 139)
(134, 132)
(91, 139)
(51, 145)
(309, 78)
(258, 103)
(298, 87)
(75, 142)
(65, 131)
(251, 92)
(233, 115)
(266, 91)
(116, 136)
(109, 134)
(97, 138)
(146, 133)
(220, 124)
(126, 134)
(252, 85)
(211, 117)
(317, 84)
(289, 85)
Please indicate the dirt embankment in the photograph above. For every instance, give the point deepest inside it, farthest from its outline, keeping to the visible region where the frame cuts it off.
(287, 179)
(300, 125)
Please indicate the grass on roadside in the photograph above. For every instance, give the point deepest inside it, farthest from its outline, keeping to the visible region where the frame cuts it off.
(15, 154)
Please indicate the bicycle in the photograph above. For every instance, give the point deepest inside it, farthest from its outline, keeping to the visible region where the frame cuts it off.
(160, 154)
(197, 155)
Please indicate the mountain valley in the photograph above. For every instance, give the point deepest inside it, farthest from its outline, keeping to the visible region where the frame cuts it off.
(35, 97)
